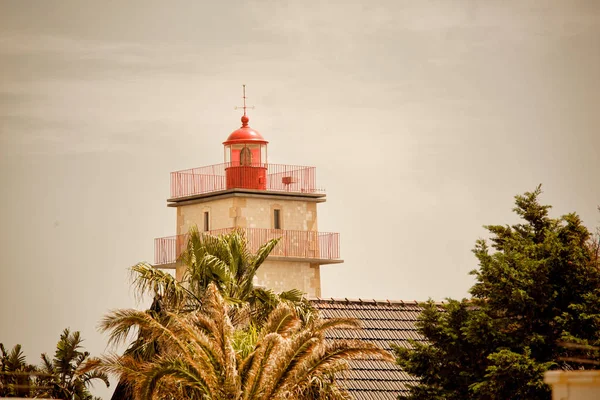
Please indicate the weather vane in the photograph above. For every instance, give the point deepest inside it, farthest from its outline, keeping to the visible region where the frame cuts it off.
(244, 97)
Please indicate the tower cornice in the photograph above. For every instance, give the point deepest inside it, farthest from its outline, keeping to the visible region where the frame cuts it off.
(264, 194)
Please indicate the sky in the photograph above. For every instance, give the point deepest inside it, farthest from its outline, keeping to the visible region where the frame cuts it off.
(423, 118)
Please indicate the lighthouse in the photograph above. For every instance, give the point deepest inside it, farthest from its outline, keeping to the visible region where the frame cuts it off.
(265, 201)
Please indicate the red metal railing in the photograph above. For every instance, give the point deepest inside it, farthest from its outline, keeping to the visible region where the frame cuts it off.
(213, 178)
(300, 244)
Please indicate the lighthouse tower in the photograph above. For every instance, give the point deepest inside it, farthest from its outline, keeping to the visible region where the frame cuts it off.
(265, 200)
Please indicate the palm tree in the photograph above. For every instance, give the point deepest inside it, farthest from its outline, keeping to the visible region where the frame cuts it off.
(16, 376)
(69, 374)
(225, 261)
(203, 355)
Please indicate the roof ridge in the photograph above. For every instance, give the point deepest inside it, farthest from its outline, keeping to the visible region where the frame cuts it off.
(370, 301)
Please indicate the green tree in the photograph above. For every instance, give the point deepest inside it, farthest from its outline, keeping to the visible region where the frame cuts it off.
(204, 356)
(70, 373)
(16, 376)
(67, 376)
(538, 285)
(224, 261)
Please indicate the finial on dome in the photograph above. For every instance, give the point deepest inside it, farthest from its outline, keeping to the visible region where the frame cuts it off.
(245, 118)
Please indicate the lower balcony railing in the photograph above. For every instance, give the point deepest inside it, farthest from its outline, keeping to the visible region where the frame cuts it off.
(295, 244)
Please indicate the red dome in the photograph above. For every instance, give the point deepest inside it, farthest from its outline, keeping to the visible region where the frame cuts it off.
(245, 134)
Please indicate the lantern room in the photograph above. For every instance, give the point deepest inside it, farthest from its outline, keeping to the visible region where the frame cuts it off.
(246, 158)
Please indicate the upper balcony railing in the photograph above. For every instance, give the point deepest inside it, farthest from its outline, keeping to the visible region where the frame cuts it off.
(296, 244)
(270, 177)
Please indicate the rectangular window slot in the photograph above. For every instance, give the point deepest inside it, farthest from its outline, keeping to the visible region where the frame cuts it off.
(206, 222)
(277, 219)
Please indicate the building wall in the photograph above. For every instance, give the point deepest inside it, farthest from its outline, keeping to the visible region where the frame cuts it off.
(179, 271)
(295, 215)
(574, 385)
(220, 215)
(248, 212)
(286, 275)
(283, 275)
(256, 212)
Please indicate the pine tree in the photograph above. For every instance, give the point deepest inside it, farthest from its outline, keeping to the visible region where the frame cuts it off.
(537, 287)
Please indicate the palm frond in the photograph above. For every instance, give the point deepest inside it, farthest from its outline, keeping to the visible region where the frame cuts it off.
(121, 365)
(298, 348)
(121, 323)
(324, 325)
(148, 280)
(47, 365)
(282, 320)
(292, 295)
(261, 255)
(255, 370)
(334, 354)
(176, 369)
(218, 268)
(89, 377)
(244, 341)
(16, 358)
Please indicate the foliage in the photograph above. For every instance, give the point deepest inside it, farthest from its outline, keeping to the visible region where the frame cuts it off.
(538, 285)
(67, 376)
(224, 261)
(203, 355)
(15, 374)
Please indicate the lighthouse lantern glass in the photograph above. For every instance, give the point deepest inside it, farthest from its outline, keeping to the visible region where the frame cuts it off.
(246, 154)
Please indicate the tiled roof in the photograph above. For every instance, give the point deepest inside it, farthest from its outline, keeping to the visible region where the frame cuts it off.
(384, 323)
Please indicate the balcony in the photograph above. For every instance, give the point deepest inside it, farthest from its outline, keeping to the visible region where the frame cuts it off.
(316, 247)
(267, 177)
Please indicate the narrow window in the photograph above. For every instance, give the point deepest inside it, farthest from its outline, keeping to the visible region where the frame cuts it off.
(206, 224)
(277, 219)
(246, 156)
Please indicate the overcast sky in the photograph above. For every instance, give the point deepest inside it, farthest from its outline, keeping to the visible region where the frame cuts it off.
(423, 118)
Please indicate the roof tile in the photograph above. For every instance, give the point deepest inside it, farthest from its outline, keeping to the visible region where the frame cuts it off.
(383, 323)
